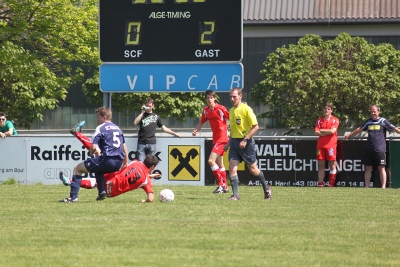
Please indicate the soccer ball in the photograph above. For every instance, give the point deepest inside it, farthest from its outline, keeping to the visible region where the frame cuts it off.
(166, 195)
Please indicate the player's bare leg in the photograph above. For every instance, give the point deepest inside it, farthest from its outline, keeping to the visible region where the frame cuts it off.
(382, 174)
(321, 172)
(367, 175)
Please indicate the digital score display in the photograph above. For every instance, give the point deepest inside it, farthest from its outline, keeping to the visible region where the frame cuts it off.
(170, 30)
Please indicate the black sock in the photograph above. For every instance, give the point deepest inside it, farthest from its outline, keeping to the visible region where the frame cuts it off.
(235, 185)
(263, 182)
(75, 186)
(100, 183)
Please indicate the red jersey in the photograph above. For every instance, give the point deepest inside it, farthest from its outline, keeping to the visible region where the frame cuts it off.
(328, 141)
(217, 118)
(135, 175)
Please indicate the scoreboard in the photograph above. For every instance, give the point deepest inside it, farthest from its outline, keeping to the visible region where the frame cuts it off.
(158, 31)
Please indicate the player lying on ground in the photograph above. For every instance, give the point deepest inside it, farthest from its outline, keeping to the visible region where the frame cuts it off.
(135, 175)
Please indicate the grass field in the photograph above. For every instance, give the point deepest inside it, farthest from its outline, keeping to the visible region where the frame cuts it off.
(299, 227)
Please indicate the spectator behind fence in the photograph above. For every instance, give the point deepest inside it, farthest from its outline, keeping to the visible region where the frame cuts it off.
(148, 122)
(6, 127)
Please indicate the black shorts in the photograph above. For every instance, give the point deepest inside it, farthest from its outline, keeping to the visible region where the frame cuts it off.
(246, 154)
(372, 158)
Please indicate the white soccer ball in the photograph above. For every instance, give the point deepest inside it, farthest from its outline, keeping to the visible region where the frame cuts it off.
(166, 195)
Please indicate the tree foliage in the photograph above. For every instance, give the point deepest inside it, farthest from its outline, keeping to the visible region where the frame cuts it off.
(346, 71)
(40, 42)
(43, 46)
(176, 105)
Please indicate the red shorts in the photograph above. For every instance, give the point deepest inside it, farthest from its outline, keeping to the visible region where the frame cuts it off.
(218, 148)
(326, 153)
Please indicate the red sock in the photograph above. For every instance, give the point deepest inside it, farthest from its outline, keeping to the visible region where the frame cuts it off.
(88, 183)
(332, 179)
(222, 171)
(84, 140)
(217, 174)
(321, 184)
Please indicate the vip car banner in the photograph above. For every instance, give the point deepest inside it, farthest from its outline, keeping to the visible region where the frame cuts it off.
(293, 163)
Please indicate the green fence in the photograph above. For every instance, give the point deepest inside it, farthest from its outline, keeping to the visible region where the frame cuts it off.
(394, 146)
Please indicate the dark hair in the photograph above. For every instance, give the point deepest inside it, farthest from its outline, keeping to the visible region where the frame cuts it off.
(150, 161)
(150, 100)
(210, 93)
(3, 114)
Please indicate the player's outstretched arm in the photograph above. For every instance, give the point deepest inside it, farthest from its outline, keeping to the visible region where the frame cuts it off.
(397, 130)
(198, 127)
(126, 158)
(167, 130)
(150, 198)
(356, 131)
(155, 175)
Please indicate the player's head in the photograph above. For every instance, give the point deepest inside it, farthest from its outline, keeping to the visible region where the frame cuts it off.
(328, 105)
(375, 110)
(104, 112)
(235, 94)
(210, 93)
(328, 108)
(376, 106)
(150, 161)
(210, 98)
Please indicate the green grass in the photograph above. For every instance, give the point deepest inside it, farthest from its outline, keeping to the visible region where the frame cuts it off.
(299, 227)
(10, 181)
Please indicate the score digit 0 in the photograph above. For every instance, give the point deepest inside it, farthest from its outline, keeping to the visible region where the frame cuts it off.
(133, 33)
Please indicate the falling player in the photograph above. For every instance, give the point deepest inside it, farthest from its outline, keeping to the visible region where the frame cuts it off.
(135, 175)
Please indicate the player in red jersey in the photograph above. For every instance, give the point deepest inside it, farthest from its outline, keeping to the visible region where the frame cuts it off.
(136, 175)
(218, 117)
(326, 128)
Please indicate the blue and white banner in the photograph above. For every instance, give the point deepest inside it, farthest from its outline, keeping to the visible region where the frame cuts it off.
(124, 78)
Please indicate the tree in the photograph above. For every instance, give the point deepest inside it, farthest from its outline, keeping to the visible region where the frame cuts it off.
(176, 105)
(43, 46)
(40, 41)
(346, 71)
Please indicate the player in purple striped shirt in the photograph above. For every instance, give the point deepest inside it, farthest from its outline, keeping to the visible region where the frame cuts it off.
(375, 150)
(108, 141)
